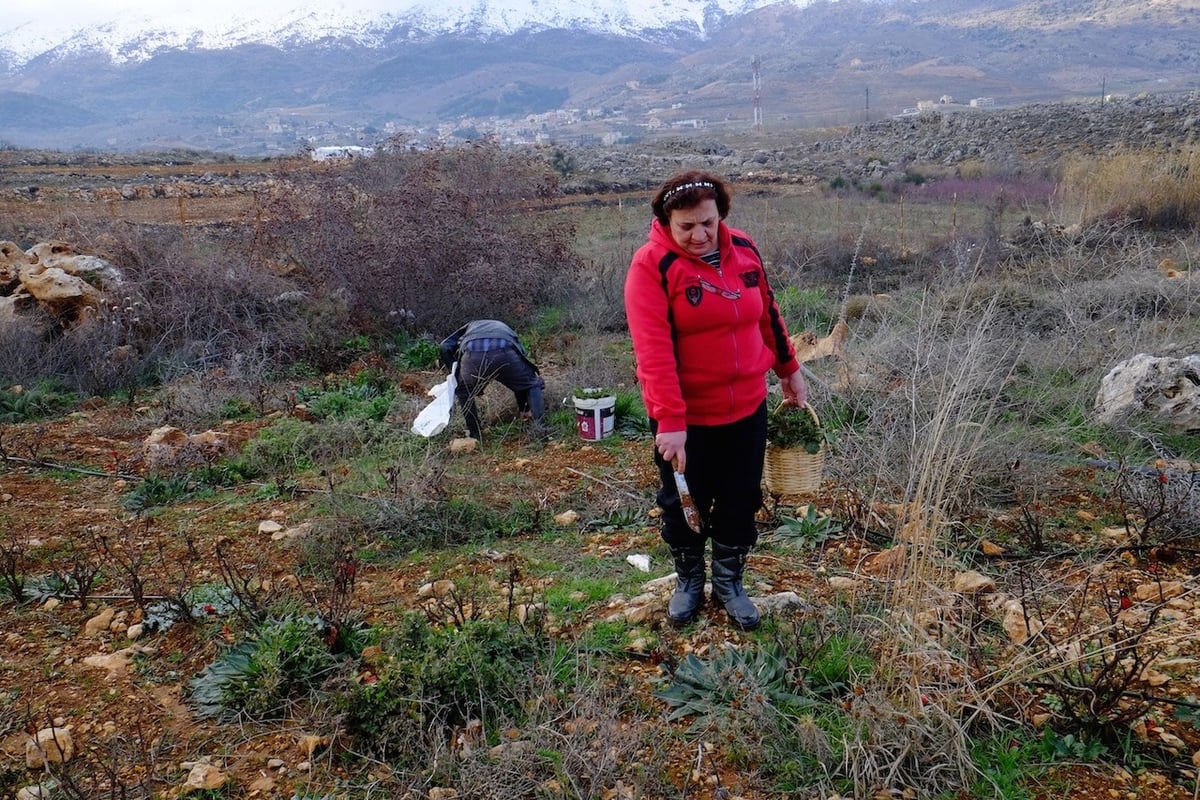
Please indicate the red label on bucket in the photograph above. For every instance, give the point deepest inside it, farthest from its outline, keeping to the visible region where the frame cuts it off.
(594, 418)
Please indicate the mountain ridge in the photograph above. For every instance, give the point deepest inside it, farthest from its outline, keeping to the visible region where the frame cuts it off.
(137, 37)
(819, 64)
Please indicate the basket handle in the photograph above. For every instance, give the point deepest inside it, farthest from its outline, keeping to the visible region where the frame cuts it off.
(806, 406)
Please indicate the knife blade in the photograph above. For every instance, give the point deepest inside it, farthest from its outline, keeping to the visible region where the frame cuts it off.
(691, 514)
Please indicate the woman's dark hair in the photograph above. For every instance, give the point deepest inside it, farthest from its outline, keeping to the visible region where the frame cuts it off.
(688, 190)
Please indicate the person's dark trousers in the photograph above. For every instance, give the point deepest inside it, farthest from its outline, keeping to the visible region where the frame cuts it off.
(476, 369)
(724, 474)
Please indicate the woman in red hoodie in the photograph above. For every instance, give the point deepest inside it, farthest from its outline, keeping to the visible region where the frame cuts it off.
(706, 330)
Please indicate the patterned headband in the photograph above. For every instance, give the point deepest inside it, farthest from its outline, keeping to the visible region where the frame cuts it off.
(684, 186)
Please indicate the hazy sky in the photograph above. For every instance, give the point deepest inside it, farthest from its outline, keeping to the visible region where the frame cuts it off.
(73, 13)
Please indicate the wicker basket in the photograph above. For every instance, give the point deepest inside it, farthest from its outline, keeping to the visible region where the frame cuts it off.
(793, 470)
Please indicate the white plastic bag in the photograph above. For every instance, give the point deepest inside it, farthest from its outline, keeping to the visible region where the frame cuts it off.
(434, 417)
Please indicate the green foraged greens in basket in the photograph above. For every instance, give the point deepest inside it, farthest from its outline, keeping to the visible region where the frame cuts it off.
(790, 426)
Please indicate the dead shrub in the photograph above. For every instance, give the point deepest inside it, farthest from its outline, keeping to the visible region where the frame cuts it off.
(186, 303)
(421, 241)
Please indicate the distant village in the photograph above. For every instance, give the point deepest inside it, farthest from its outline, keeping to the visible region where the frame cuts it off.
(561, 126)
(564, 126)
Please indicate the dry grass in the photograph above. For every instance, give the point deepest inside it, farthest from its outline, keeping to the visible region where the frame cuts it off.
(1159, 189)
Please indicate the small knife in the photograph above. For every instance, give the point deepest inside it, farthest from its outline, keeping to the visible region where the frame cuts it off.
(691, 514)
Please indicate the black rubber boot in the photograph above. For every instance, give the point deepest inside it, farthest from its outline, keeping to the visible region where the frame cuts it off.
(728, 563)
(685, 603)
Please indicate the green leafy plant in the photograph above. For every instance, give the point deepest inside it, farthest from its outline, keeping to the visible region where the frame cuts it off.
(282, 661)
(37, 402)
(156, 491)
(419, 353)
(592, 392)
(810, 530)
(351, 401)
(1067, 746)
(705, 688)
(438, 678)
(631, 419)
(617, 519)
(840, 661)
(795, 426)
(1005, 764)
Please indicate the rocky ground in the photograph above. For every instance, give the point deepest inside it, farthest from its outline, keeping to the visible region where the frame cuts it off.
(124, 701)
(62, 481)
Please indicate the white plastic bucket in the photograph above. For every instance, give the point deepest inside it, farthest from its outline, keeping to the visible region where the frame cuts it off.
(594, 417)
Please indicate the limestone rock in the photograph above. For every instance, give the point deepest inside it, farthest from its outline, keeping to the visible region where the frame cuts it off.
(568, 517)
(168, 449)
(464, 445)
(1168, 388)
(64, 256)
(779, 602)
(55, 288)
(1015, 625)
(99, 623)
(972, 582)
(49, 746)
(204, 777)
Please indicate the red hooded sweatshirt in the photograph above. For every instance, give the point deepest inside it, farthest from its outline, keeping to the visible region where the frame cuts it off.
(703, 338)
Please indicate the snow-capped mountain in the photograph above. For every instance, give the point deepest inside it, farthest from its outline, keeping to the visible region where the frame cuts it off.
(228, 77)
(131, 35)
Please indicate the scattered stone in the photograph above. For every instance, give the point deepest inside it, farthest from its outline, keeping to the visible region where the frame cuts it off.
(659, 585)
(99, 623)
(886, 562)
(168, 449)
(440, 588)
(513, 749)
(639, 560)
(619, 792)
(463, 445)
(567, 518)
(269, 527)
(1163, 386)
(1157, 592)
(780, 602)
(49, 746)
(841, 583)
(204, 777)
(1015, 624)
(115, 663)
(298, 532)
(1172, 742)
(972, 582)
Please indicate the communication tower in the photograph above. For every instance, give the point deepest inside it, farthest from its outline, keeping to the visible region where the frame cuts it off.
(756, 64)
